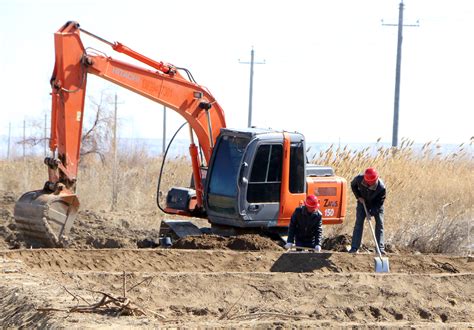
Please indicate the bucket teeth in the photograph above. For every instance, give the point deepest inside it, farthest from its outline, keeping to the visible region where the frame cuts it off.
(45, 219)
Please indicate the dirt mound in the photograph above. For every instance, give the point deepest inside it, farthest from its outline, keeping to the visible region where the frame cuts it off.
(7, 203)
(9, 239)
(338, 243)
(99, 230)
(91, 230)
(7, 200)
(342, 243)
(252, 242)
(248, 242)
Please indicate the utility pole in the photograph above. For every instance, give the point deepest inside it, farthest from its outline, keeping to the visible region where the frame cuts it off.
(398, 71)
(24, 139)
(9, 139)
(252, 62)
(115, 155)
(114, 166)
(45, 134)
(164, 130)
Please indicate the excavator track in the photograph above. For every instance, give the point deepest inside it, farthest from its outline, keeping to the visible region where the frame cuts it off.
(45, 219)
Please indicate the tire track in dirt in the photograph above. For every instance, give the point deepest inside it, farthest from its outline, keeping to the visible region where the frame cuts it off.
(170, 260)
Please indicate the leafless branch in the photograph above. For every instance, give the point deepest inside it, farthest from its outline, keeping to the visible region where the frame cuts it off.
(108, 303)
(226, 313)
(149, 279)
(32, 141)
(76, 297)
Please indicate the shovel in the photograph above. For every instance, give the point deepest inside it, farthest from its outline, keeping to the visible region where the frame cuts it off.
(381, 263)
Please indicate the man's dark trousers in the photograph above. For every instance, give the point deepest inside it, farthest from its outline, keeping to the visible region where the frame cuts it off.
(359, 228)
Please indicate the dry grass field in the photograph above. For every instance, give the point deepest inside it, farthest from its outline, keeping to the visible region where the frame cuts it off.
(429, 206)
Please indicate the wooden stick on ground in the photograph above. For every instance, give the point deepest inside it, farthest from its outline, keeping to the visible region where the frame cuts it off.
(262, 314)
(75, 296)
(124, 286)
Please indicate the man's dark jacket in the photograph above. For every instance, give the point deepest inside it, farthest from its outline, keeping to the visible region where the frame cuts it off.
(374, 196)
(306, 228)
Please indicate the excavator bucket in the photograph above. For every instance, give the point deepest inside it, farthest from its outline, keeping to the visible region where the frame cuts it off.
(45, 219)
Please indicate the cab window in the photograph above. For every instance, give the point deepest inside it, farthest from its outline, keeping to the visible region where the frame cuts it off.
(265, 178)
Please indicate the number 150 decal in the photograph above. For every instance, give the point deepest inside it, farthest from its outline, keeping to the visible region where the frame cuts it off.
(329, 212)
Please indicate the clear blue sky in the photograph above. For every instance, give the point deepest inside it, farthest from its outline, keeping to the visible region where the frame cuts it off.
(329, 72)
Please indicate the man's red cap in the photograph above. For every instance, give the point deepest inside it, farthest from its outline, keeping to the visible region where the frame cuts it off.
(311, 202)
(371, 176)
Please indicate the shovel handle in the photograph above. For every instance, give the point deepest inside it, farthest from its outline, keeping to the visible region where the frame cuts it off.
(367, 214)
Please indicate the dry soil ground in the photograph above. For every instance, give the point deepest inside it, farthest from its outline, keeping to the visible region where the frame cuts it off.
(213, 282)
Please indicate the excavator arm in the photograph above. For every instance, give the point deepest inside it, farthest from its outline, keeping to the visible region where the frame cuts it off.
(45, 216)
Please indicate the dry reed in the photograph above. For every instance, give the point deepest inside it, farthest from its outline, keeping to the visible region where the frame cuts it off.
(429, 203)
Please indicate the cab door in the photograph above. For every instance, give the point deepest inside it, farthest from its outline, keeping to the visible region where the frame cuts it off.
(274, 183)
(293, 182)
(262, 200)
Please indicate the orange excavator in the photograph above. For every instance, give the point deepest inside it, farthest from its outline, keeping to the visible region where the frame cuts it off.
(242, 178)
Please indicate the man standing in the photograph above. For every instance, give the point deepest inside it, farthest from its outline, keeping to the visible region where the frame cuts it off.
(306, 225)
(368, 188)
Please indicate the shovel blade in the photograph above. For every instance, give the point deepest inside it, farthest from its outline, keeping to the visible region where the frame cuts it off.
(381, 265)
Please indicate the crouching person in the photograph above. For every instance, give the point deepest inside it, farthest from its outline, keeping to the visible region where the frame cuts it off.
(306, 228)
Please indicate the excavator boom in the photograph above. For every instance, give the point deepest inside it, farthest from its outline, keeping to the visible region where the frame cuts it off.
(45, 216)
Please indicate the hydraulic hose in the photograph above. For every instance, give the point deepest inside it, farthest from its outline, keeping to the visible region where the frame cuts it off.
(161, 169)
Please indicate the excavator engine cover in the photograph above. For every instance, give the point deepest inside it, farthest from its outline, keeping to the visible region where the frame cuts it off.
(45, 219)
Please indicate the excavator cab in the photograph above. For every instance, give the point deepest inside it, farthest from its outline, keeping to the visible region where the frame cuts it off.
(244, 180)
(257, 177)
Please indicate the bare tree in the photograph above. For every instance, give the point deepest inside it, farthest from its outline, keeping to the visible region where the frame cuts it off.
(35, 127)
(97, 135)
(97, 128)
